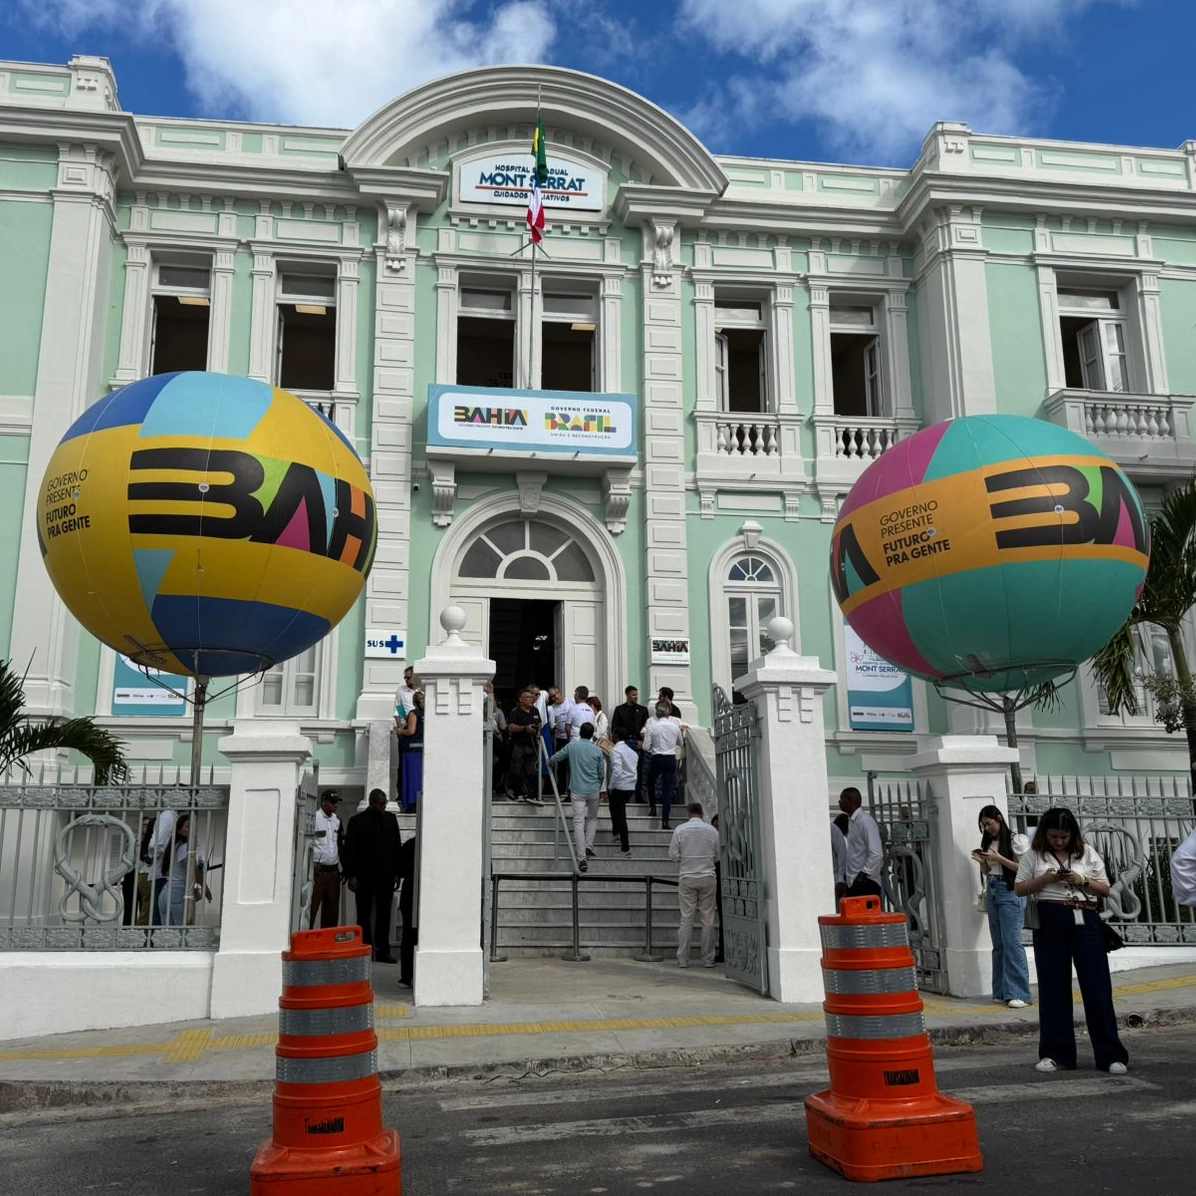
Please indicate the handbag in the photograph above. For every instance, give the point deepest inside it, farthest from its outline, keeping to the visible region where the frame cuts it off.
(1112, 940)
(1031, 920)
(982, 896)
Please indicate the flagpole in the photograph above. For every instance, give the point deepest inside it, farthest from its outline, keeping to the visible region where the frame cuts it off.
(531, 332)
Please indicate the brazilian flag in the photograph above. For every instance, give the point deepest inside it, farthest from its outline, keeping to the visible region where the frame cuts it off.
(539, 151)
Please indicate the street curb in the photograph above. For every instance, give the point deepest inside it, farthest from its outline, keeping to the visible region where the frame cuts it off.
(22, 1099)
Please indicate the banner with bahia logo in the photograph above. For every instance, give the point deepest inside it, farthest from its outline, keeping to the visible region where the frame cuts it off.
(571, 423)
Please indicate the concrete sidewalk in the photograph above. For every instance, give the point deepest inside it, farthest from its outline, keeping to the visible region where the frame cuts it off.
(544, 1015)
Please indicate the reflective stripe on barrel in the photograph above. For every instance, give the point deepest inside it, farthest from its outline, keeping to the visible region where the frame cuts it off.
(893, 1025)
(853, 982)
(298, 973)
(877, 934)
(347, 1019)
(335, 1070)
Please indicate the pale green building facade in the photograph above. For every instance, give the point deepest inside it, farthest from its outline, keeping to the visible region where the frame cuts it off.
(759, 332)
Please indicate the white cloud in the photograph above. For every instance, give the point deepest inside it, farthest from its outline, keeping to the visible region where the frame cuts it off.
(314, 62)
(874, 75)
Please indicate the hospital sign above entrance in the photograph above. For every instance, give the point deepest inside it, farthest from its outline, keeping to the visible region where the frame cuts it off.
(505, 178)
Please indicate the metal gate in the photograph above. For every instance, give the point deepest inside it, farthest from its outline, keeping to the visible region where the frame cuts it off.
(909, 877)
(307, 802)
(745, 926)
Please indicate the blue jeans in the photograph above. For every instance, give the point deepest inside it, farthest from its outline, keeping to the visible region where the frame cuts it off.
(1011, 972)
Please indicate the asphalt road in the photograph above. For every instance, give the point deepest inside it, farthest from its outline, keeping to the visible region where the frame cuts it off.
(703, 1131)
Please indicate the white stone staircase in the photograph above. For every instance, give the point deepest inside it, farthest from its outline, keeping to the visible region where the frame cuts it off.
(535, 916)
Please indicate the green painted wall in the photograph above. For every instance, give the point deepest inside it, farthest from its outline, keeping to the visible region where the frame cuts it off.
(28, 168)
(1177, 306)
(14, 458)
(25, 247)
(1019, 357)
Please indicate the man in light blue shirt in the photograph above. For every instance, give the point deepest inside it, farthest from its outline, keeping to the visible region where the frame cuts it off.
(587, 782)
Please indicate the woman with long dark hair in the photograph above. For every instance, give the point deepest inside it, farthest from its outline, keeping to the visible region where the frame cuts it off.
(998, 856)
(1064, 877)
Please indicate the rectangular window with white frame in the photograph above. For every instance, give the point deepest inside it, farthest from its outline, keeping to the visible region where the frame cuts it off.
(292, 688)
(182, 304)
(1093, 328)
(306, 344)
(486, 347)
(741, 354)
(857, 376)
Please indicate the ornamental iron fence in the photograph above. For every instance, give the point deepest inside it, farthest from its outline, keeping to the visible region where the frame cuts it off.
(85, 867)
(1135, 834)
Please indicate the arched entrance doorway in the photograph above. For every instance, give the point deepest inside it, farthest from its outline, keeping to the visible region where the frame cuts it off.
(543, 593)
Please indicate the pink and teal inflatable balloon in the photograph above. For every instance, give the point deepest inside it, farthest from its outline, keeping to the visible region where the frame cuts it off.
(990, 552)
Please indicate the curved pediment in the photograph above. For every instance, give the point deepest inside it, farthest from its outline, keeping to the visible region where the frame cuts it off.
(440, 119)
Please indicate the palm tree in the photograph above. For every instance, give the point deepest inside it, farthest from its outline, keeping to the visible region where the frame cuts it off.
(1167, 596)
(20, 738)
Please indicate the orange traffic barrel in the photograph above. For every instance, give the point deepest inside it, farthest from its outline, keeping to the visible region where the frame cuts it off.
(328, 1132)
(883, 1116)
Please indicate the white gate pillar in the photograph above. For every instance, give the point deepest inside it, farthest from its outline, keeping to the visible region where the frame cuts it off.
(255, 918)
(449, 968)
(964, 773)
(795, 839)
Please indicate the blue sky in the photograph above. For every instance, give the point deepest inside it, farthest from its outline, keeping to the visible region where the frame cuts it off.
(813, 80)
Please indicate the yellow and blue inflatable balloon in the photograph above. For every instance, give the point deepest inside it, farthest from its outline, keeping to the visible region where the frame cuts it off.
(206, 524)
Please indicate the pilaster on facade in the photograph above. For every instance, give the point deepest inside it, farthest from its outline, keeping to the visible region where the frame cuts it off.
(953, 316)
(220, 321)
(667, 564)
(388, 587)
(70, 362)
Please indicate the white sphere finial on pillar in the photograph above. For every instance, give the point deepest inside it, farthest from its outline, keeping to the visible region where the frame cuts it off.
(453, 620)
(780, 631)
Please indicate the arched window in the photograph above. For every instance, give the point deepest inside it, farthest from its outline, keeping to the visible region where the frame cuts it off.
(754, 597)
(524, 550)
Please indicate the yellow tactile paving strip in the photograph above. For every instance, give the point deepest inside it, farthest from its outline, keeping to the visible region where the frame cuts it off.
(188, 1046)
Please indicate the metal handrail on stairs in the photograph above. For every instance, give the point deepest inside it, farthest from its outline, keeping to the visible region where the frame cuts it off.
(576, 954)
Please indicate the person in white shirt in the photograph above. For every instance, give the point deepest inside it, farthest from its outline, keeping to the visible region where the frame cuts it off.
(558, 708)
(839, 825)
(326, 863)
(405, 695)
(662, 737)
(579, 713)
(998, 855)
(1064, 877)
(695, 847)
(624, 767)
(160, 869)
(865, 852)
(1183, 871)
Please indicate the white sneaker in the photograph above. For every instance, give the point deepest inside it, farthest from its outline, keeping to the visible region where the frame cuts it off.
(1117, 1069)
(1046, 1065)
(1016, 1004)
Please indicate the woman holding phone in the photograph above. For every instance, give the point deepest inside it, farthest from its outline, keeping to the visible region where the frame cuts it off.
(1064, 876)
(998, 856)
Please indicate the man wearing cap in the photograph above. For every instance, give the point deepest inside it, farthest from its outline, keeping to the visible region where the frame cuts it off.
(326, 862)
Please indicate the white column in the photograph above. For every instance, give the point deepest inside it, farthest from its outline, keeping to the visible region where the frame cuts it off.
(795, 841)
(664, 465)
(220, 314)
(347, 279)
(135, 315)
(964, 772)
(45, 636)
(255, 919)
(263, 319)
(449, 969)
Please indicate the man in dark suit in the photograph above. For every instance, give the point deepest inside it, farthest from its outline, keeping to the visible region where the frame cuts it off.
(371, 862)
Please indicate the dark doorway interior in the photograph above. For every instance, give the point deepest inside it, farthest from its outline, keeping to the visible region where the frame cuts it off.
(521, 635)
